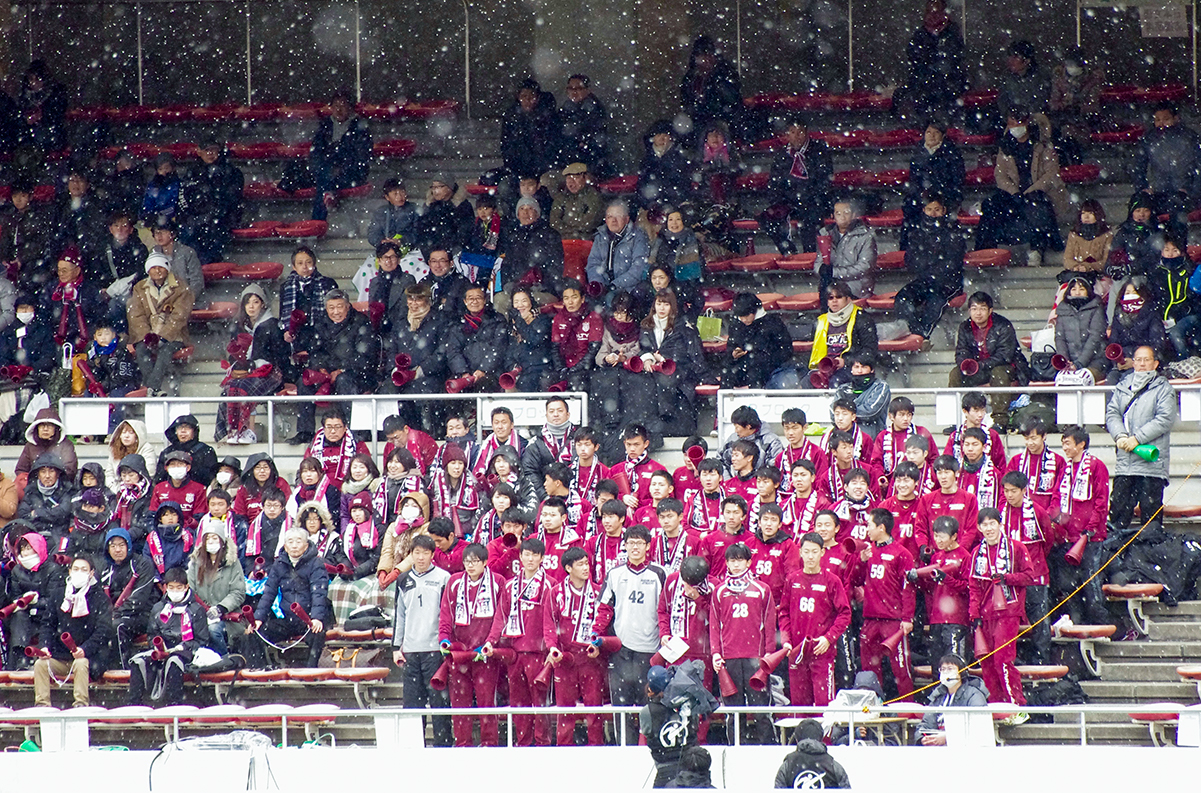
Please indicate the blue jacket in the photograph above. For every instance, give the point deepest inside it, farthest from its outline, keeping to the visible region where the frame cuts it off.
(388, 220)
(619, 262)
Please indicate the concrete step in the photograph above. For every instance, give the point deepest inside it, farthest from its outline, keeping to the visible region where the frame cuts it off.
(1179, 652)
(1141, 671)
(1104, 734)
(1184, 631)
(1109, 691)
(1189, 610)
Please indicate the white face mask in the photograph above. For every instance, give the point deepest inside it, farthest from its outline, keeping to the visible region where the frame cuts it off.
(28, 560)
(948, 679)
(224, 477)
(410, 513)
(212, 544)
(176, 596)
(1074, 70)
(177, 472)
(25, 317)
(78, 579)
(1018, 132)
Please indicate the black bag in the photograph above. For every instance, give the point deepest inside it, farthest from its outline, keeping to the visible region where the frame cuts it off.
(296, 176)
(366, 619)
(1049, 695)
(1041, 369)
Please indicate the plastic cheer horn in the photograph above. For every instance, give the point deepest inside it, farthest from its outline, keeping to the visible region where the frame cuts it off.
(767, 665)
(827, 366)
(1114, 352)
(402, 377)
(893, 642)
(726, 683)
(301, 614)
(404, 361)
(509, 540)
(441, 677)
(1075, 554)
(1147, 452)
(505, 655)
(1059, 362)
(457, 384)
(980, 644)
(159, 651)
(969, 367)
(666, 367)
(818, 381)
(610, 644)
(68, 641)
(22, 602)
(296, 320)
(508, 380)
(556, 388)
(634, 365)
(594, 289)
(694, 454)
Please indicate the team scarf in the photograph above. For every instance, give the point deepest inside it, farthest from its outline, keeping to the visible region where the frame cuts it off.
(223, 526)
(585, 486)
(1078, 486)
(388, 505)
(451, 499)
(366, 534)
(185, 619)
(739, 583)
(346, 449)
(580, 607)
(856, 513)
(631, 471)
(127, 496)
(488, 528)
(927, 482)
(838, 487)
(985, 566)
(671, 549)
(894, 453)
(254, 535)
(860, 441)
(801, 520)
(786, 459)
(679, 608)
(957, 443)
(1030, 530)
(154, 544)
(489, 448)
(700, 506)
(606, 562)
(559, 453)
(522, 591)
(484, 604)
(1041, 474)
(75, 601)
(987, 483)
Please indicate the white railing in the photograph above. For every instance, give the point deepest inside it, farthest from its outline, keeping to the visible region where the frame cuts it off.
(89, 416)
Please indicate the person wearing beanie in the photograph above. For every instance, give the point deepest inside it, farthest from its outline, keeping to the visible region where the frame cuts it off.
(297, 576)
(810, 765)
(533, 254)
(260, 361)
(158, 313)
(71, 304)
(455, 492)
(128, 578)
(760, 346)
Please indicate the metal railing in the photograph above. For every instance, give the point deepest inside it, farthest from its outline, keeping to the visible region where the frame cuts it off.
(855, 717)
(530, 412)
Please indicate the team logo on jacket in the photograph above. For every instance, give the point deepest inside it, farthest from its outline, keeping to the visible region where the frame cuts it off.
(809, 780)
(673, 733)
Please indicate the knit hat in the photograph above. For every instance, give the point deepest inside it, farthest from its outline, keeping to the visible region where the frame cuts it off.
(657, 679)
(361, 500)
(575, 169)
(452, 452)
(157, 259)
(526, 201)
(92, 497)
(213, 527)
(71, 254)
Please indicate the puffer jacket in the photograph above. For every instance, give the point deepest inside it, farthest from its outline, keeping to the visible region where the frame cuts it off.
(619, 261)
(682, 345)
(1147, 415)
(971, 694)
(936, 250)
(1145, 328)
(351, 345)
(1169, 160)
(1170, 295)
(226, 589)
(534, 247)
(854, 256)
(483, 350)
(1044, 172)
(1080, 333)
(941, 171)
(423, 346)
(811, 759)
(1001, 343)
(305, 582)
(204, 459)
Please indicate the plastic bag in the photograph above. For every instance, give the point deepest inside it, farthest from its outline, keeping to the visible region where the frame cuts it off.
(708, 326)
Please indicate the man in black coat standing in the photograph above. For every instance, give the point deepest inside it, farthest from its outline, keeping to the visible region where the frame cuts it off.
(341, 357)
(759, 345)
(799, 185)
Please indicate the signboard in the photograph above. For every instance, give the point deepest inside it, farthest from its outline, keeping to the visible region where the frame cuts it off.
(1165, 22)
(530, 412)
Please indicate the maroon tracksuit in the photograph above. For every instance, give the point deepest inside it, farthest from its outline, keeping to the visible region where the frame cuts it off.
(1044, 473)
(994, 447)
(687, 483)
(800, 512)
(863, 446)
(814, 605)
(670, 552)
(1034, 530)
(842, 563)
(997, 589)
(888, 601)
(960, 505)
(739, 486)
(570, 615)
(451, 560)
(972, 479)
(852, 517)
(742, 629)
(557, 545)
(529, 633)
(791, 455)
(504, 560)
(947, 602)
(604, 554)
(904, 523)
(702, 512)
(189, 496)
(474, 682)
(713, 548)
(884, 463)
(639, 483)
(774, 560)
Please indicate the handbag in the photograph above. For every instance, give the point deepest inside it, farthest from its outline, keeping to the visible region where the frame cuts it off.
(1043, 340)
(708, 326)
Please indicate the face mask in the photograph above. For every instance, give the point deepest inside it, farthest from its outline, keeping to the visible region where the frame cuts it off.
(1074, 70)
(176, 596)
(29, 560)
(948, 679)
(78, 579)
(177, 472)
(212, 544)
(1132, 305)
(1018, 132)
(224, 478)
(25, 317)
(410, 513)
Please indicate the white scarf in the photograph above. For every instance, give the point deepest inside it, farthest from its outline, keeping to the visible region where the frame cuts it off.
(75, 601)
(1030, 530)
(986, 484)
(482, 607)
(894, 453)
(957, 443)
(522, 591)
(984, 566)
(660, 330)
(1041, 474)
(672, 555)
(1077, 487)
(680, 607)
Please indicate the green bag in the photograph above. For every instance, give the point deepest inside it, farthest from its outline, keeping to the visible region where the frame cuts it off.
(708, 326)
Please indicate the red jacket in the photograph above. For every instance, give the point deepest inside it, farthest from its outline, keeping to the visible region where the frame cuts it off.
(737, 486)
(249, 505)
(586, 480)
(190, 496)
(1037, 537)
(570, 615)
(503, 559)
(556, 546)
(960, 505)
(852, 517)
(947, 602)
(1001, 598)
(713, 548)
(702, 512)
(801, 514)
(742, 618)
(686, 483)
(640, 484)
(904, 523)
(994, 447)
(973, 481)
(887, 594)
(685, 618)
(1044, 475)
(814, 605)
(774, 561)
(863, 446)
(878, 466)
(451, 561)
(670, 553)
(573, 334)
(646, 515)
(1087, 514)
(423, 447)
(604, 554)
(475, 630)
(842, 563)
(533, 633)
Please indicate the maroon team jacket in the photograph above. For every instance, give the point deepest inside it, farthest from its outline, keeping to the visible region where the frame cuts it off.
(742, 618)
(478, 630)
(685, 618)
(886, 591)
(814, 605)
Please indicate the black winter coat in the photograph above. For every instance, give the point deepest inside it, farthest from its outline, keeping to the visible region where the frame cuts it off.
(1136, 248)
(50, 514)
(813, 760)
(171, 631)
(1146, 329)
(768, 345)
(388, 289)
(941, 171)
(448, 292)
(445, 225)
(50, 310)
(26, 236)
(423, 346)
(115, 577)
(204, 459)
(483, 350)
(111, 263)
(305, 583)
(529, 344)
(529, 142)
(212, 193)
(1001, 343)
(666, 179)
(813, 192)
(91, 632)
(351, 153)
(683, 345)
(351, 345)
(117, 369)
(936, 250)
(36, 348)
(536, 246)
(86, 227)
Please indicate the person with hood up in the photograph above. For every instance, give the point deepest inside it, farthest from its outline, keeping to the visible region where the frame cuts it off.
(1171, 297)
(612, 382)
(159, 309)
(620, 255)
(358, 585)
(340, 156)
(259, 362)
(759, 343)
(412, 519)
(312, 484)
(261, 476)
(91, 518)
(210, 202)
(304, 292)
(79, 608)
(218, 584)
(1080, 328)
(169, 543)
(1136, 247)
(92, 475)
(810, 765)
(31, 575)
(161, 199)
(956, 689)
(848, 252)
(128, 579)
(667, 732)
(297, 576)
(228, 476)
(1135, 323)
(132, 510)
(664, 177)
(448, 217)
(183, 435)
(44, 435)
(47, 502)
(130, 437)
(179, 621)
(717, 166)
(315, 518)
(475, 346)
(188, 493)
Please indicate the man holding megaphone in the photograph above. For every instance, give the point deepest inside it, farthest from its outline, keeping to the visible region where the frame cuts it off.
(1139, 418)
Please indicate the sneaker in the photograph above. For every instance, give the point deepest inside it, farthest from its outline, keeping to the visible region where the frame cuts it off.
(1034, 259)
(247, 436)
(299, 440)
(1015, 719)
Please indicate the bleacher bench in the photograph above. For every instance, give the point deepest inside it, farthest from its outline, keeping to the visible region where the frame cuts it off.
(1134, 595)
(1086, 638)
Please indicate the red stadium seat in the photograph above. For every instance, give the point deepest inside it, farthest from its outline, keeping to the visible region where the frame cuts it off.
(892, 260)
(361, 673)
(768, 299)
(1087, 631)
(888, 219)
(259, 271)
(221, 112)
(399, 148)
(757, 263)
(964, 138)
(215, 271)
(981, 98)
(42, 194)
(723, 266)
(265, 675)
(431, 109)
(797, 262)
(1119, 93)
(259, 191)
(909, 343)
(130, 114)
(303, 228)
(1169, 92)
(707, 390)
(852, 139)
(1128, 591)
(575, 258)
(718, 298)
(216, 311)
(805, 301)
(745, 224)
(966, 219)
(308, 675)
(853, 178)
(989, 257)
(254, 233)
(172, 114)
(1127, 133)
(385, 111)
(981, 176)
(358, 191)
(91, 113)
(715, 346)
(881, 302)
(897, 138)
(894, 178)
(1043, 671)
(619, 185)
(1086, 173)
(261, 112)
(184, 355)
(303, 110)
(480, 189)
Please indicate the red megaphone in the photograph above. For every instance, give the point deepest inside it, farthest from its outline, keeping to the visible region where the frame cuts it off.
(16, 373)
(404, 361)
(635, 365)
(68, 642)
(818, 381)
(36, 652)
(548, 671)
(332, 569)
(301, 614)
(296, 320)
(151, 340)
(850, 545)
(509, 540)
(506, 655)
(441, 677)
(666, 367)
(314, 377)
(658, 660)
(610, 644)
(1075, 554)
(18, 604)
(94, 386)
(457, 384)
(248, 615)
(969, 367)
(694, 454)
(767, 665)
(402, 377)
(980, 644)
(726, 683)
(260, 569)
(508, 380)
(594, 289)
(375, 313)
(826, 366)
(1114, 352)
(558, 387)
(160, 649)
(893, 642)
(1059, 362)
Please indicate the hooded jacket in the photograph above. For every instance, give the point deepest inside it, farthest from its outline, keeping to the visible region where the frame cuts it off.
(534, 247)
(811, 766)
(204, 459)
(170, 319)
(305, 582)
(1148, 414)
(115, 578)
(49, 512)
(171, 628)
(145, 448)
(267, 345)
(397, 541)
(19, 580)
(1080, 333)
(227, 588)
(91, 632)
(1146, 327)
(249, 499)
(136, 517)
(176, 540)
(768, 346)
(35, 446)
(972, 693)
(88, 529)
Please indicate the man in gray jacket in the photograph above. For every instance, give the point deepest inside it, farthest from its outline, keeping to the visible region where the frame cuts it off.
(852, 251)
(1140, 413)
(1168, 164)
(415, 632)
(620, 253)
(181, 259)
